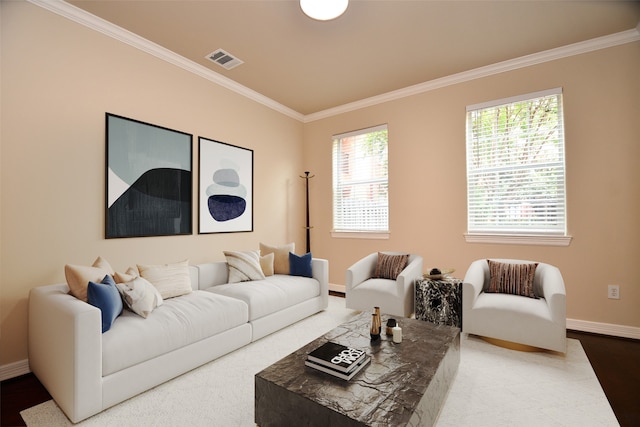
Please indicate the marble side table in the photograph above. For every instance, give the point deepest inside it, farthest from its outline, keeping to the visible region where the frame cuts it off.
(439, 301)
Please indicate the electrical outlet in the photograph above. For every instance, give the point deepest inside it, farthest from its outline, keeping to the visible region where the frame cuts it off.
(613, 291)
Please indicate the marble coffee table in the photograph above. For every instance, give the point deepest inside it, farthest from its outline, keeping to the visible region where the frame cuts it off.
(405, 384)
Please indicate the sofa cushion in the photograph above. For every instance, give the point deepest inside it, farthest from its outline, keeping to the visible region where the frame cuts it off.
(300, 265)
(140, 296)
(176, 323)
(106, 297)
(389, 266)
(270, 295)
(171, 280)
(514, 279)
(281, 256)
(243, 266)
(79, 276)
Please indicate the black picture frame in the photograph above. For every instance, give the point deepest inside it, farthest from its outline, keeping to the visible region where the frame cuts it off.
(225, 193)
(149, 180)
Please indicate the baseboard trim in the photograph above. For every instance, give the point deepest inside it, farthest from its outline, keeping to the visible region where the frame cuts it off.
(604, 328)
(14, 369)
(337, 288)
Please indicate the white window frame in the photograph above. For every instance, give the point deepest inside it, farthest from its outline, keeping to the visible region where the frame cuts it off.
(515, 234)
(346, 232)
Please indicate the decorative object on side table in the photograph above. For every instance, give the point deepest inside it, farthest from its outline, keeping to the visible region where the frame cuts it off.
(439, 301)
(438, 274)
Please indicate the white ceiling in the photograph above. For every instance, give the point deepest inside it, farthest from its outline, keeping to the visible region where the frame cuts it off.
(376, 47)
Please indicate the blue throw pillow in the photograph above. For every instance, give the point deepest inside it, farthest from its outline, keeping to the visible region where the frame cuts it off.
(300, 265)
(106, 297)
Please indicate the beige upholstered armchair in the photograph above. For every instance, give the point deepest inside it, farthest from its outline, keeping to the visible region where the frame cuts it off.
(538, 321)
(394, 296)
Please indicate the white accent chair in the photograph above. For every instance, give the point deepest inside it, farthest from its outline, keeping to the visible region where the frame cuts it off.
(394, 297)
(534, 322)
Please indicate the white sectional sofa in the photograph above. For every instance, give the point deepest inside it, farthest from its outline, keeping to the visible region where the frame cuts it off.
(87, 371)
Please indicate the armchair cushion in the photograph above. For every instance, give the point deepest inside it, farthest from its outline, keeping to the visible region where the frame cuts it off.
(514, 279)
(390, 266)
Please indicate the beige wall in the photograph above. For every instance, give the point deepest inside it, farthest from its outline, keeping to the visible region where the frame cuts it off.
(427, 179)
(58, 80)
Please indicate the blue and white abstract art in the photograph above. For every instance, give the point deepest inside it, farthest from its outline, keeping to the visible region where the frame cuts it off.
(226, 187)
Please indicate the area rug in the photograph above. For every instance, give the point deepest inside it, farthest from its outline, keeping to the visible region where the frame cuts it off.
(494, 387)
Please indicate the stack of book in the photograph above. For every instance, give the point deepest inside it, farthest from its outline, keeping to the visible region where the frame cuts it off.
(338, 360)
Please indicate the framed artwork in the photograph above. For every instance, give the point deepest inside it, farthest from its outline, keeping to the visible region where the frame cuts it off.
(149, 182)
(225, 196)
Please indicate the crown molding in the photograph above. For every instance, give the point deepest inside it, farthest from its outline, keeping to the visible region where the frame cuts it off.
(598, 43)
(82, 17)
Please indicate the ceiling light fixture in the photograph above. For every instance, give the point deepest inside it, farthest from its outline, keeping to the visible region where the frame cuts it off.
(323, 10)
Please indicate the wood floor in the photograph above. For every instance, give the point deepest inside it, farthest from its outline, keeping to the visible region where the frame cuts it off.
(614, 360)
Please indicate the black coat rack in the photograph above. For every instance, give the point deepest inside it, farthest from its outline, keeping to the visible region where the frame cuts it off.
(308, 227)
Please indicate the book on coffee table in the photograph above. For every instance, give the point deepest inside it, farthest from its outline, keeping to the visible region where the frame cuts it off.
(345, 376)
(337, 357)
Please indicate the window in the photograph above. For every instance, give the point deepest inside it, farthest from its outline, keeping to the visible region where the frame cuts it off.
(360, 183)
(516, 167)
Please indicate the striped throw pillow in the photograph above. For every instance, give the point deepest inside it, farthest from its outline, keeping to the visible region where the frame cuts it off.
(515, 279)
(244, 266)
(390, 266)
(171, 280)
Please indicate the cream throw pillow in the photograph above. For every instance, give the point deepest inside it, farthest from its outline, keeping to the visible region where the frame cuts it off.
(140, 296)
(127, 276)
(243, 266)
(266, 262)
(281, 256)
(79, 276)
(171, 280)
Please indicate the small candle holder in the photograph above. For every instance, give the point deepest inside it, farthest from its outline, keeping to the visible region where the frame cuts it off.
(391, 323)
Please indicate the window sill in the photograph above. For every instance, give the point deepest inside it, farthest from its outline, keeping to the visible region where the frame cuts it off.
(380, 235)
(519, 239)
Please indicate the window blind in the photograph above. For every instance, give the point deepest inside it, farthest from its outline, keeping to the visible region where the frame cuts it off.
(516, 165)
(360, 181)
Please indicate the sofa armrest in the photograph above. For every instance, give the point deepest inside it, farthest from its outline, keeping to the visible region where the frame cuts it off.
(408, 276)
(553, 291)
(65, 349)
(320, 272)
(361, 271)
(473, 283)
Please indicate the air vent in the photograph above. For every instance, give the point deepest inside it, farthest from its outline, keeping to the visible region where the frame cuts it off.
(224, 59)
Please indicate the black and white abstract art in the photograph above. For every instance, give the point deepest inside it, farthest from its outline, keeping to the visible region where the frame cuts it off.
(149, 179)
